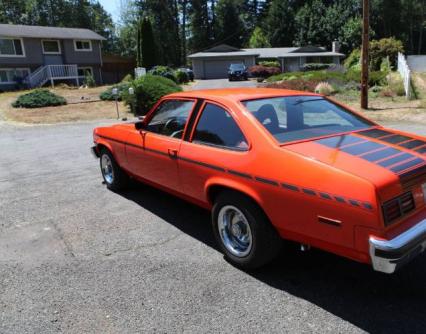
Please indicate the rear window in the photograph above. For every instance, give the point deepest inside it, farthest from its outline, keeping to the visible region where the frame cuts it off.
(294, 118)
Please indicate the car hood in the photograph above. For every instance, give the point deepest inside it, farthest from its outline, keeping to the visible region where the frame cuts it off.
(382, 156)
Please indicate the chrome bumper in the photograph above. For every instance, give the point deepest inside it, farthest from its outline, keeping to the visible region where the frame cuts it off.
(388, 255)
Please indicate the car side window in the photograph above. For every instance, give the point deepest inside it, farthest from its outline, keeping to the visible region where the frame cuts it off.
(217, 127)
(170, 118)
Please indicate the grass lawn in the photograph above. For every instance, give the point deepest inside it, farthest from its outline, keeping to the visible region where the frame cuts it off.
(83, 105)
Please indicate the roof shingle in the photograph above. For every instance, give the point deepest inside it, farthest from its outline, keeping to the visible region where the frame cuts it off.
(12, 30)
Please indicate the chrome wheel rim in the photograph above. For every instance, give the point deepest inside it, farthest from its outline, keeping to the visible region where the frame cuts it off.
(107, 170)
(235, 231)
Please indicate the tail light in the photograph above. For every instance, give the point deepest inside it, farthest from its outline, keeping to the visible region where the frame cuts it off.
(398, 207)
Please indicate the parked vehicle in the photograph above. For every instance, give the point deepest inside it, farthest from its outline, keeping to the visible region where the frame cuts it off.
(189, 72)
(275, 164)
(237, 72)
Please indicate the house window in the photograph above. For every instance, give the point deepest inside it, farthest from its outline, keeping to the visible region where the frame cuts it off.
(85, 71)
(10, 47)
(13, 75)
(82, 45)
(51, 47)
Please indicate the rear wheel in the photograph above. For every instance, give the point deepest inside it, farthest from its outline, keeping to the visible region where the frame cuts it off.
(243, 231)
(115, 178)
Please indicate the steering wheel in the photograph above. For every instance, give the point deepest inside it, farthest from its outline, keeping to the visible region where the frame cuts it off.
(171, 126)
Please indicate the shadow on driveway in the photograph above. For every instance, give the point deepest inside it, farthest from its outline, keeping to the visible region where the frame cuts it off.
(374, 302)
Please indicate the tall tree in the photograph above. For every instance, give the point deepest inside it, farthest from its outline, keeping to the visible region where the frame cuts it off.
(229, 28)
(279, 23)
(148, 46)
(200, 25)
(258, 39)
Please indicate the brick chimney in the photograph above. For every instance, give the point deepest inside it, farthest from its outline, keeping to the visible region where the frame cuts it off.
(336, 46)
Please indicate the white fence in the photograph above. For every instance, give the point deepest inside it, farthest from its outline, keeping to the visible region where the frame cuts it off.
(405, 72)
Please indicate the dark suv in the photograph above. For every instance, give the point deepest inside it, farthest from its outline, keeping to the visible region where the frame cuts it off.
(237, 72)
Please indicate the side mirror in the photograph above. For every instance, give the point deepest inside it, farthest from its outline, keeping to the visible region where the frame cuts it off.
(139, 125)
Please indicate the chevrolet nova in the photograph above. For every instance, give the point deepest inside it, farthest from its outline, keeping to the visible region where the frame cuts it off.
(278, 164)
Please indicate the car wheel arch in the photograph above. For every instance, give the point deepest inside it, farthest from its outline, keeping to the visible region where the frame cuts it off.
(104, 145)
(214, 187)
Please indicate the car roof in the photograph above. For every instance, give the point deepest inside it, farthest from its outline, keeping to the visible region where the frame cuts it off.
(239, 94)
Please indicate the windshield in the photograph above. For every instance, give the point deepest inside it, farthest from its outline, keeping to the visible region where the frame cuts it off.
(237, 67)
(294, 118)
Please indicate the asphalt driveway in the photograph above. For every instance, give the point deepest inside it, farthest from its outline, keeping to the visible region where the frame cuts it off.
(77, 258)
(222, 83)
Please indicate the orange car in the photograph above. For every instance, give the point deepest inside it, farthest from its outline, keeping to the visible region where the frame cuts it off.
(278, 164)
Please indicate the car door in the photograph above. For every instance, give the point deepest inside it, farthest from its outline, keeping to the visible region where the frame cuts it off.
(217, 142)
(152, 152)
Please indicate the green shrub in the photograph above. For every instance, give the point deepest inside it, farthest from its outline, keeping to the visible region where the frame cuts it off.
(270, 63)
(39, 98)
(379, 50)
(315, 67)
(127, 78)
(181, 76)
(108, 96)
(163, 71)
(384, 48)
(148, 90)
(297, 84)
(89, 80)
(354, 60)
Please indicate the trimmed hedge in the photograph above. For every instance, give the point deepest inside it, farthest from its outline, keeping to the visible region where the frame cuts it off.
(148, 89)
(39, 98)
(315, 67)
(263, 71)
(163, 71)
(107, 94)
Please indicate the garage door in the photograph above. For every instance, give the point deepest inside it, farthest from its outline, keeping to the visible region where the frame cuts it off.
(218, 69)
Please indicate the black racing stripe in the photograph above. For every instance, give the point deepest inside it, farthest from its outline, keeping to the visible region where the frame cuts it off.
(339, 199)
(409, 164)
(395, 139)
(367, 206)
(362, 148)
(353, 202)
(395, 160)
(289, 187)
(379, 155)
(309, 192)
(325, 196)
(203, 164)
(421, 150)
(267, 181)
(339, 141)
(374, 133)
(414, 172)
(413, 144)
(234, 172)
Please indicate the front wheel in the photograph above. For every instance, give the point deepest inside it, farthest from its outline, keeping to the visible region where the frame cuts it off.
(115, 178)
(243, 231)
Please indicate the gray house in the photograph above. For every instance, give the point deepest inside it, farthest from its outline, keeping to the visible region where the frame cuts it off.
(34, 55)
(214, 63)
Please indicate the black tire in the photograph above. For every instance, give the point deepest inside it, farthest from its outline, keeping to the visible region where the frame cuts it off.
(266, 243)
(120, 179)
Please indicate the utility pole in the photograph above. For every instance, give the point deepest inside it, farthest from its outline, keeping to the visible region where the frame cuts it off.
(364, 57)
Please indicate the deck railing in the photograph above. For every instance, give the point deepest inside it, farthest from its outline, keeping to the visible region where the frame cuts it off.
(51, 73)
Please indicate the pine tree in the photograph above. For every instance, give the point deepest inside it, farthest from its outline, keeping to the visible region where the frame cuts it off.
(148, 45)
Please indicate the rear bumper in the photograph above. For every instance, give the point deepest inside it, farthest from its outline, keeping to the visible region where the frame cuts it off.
(389, 255)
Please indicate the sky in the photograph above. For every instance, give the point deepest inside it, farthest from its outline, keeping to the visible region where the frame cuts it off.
(112, 7)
